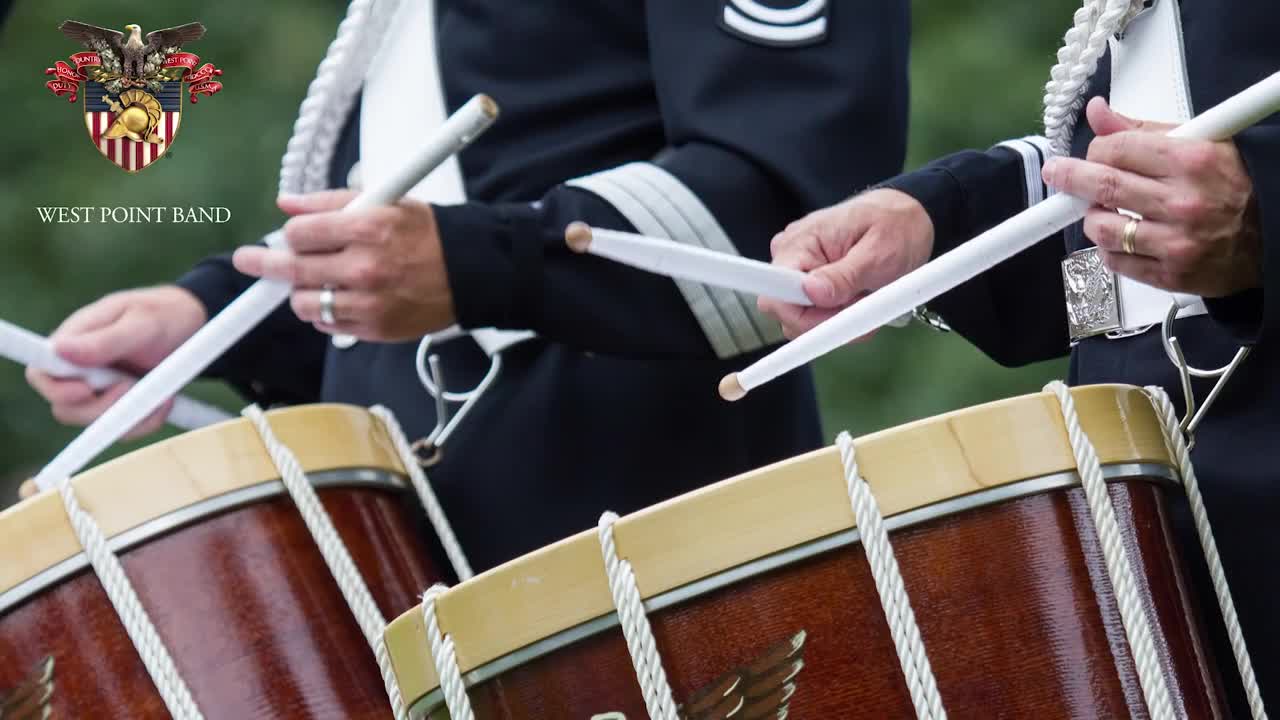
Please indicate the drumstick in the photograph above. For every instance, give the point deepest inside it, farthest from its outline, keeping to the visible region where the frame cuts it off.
(980, 254)
(30, 350)
(246, 311)
(688, 262)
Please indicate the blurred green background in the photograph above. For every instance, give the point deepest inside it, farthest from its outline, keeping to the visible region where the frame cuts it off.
(977, 73)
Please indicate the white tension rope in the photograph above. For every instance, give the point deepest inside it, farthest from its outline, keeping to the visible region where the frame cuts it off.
(921, 683)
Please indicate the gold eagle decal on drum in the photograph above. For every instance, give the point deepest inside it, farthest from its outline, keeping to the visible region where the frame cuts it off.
(29, 700)
(759, 690)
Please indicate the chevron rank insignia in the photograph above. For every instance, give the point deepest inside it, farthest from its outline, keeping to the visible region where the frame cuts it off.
(777, 23)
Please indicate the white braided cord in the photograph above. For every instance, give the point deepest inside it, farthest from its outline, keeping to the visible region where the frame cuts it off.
(635, 626)
(155, 656)
(331, 95)
(1177, 443)
(1083, 45)
(336, 557)
(422, 485)
(921, 682)
(1133, 613)
(445, 658)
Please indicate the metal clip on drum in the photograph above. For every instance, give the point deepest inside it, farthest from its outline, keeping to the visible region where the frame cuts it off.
(1186, 371)
(430, 449)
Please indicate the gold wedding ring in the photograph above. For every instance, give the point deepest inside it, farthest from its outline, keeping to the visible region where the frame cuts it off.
(1130, 234)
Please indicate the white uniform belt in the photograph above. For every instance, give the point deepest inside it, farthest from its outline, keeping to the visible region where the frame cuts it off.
(1100, 302)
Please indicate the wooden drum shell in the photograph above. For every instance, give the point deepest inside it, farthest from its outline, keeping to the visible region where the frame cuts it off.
(239, 592)
(998, 553)
(1013, 603)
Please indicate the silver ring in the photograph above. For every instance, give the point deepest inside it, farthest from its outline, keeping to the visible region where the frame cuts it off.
(326, 305)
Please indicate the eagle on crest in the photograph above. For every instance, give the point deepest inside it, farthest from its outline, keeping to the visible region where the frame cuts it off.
(139, 61)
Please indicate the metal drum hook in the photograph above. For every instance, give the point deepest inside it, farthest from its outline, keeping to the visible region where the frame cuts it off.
(1185, 372)
(430, 449)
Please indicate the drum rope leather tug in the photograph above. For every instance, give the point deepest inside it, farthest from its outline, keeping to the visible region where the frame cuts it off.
(685, 552)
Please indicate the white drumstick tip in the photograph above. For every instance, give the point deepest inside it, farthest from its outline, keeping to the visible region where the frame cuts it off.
(578, 237)
(28, 489)
(731, 388)
(487, 105)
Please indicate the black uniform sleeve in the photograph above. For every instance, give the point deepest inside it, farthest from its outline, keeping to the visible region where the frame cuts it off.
(1253, 316)
(249, 366)
(757, 135)
(1014, 312)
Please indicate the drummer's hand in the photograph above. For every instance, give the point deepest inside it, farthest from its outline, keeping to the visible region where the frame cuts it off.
(1200, 231)
(849, 250)
(385, 264)
(132, 331)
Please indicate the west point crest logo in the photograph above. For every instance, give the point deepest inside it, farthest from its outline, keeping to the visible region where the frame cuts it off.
(132, 87)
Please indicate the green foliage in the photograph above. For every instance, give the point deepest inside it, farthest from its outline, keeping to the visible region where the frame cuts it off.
(977, 76)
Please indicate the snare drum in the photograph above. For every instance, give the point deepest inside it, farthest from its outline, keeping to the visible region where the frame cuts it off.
(762, 603)
(225, 567)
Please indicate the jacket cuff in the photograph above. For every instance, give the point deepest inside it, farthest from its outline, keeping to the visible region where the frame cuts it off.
(1254, 315)
(214, 283)
(967, 193)
(493, 258)
(1240, 315)
(941, 194)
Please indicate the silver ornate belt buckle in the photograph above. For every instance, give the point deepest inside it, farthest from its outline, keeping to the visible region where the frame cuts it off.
(1093, 301)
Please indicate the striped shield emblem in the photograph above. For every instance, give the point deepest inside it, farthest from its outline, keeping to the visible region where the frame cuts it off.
(135, 127)
(777, 23)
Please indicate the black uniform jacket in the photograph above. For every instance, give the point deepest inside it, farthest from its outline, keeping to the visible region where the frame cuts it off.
(614, 407)
(1016, 313)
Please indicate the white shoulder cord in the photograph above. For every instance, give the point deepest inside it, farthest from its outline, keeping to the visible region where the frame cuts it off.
(445, 659)
(1083, 46)
(635, 626)
(177, 697)
(1133, 614)
(893, 595)
(1182, 455)
(305, 166)
(336, 557)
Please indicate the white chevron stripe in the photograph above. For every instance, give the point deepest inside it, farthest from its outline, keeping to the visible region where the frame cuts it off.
(783, 34)
(780, 16)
